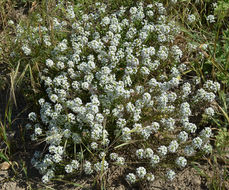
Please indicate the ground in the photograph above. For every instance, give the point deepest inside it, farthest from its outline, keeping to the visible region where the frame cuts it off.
(186, 180)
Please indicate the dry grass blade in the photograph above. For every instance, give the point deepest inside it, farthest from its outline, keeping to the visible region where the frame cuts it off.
(224, 113)
(127, 143)
(16, 78)
(70, 183)
(32, 80)
(3, 137)
(13, 77)
(101, 173)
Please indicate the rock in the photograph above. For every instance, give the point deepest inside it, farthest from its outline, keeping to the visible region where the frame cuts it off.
(5, 166)
(197, 181)
(11, 186)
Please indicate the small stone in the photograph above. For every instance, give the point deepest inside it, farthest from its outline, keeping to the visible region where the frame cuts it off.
(5, 166)
(197, 181)
(121, 187)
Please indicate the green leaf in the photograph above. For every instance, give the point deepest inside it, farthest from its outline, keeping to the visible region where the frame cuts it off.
(3, 157)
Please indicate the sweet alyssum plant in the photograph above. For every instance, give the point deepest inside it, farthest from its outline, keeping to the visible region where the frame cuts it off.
(115, 95)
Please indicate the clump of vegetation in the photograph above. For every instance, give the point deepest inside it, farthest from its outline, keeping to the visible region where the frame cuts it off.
(127, 86)
(112, 81)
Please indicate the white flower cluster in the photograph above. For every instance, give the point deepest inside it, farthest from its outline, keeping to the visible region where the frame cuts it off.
(212, 86)
(210, 18)
(26, 49)
(106, 87)
(191, 18)
(141, 173)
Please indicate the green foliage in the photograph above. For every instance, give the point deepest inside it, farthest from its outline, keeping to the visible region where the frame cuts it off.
(222, 11)
(4, 126)
(222, 139)
(222, 57)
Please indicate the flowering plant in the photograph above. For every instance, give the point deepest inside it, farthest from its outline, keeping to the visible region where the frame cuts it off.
(114, 86)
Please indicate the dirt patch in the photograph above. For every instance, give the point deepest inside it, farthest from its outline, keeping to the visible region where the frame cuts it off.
(8, 185)
(186, 180)
(11, 186)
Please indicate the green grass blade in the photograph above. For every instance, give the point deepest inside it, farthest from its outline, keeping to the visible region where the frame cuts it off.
(3, 157)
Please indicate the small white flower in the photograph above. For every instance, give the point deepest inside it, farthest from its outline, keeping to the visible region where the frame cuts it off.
(38, 131)
(56, 158)
(150, 177)
(181, 161)
(94, 145)
(54, 98)
(190, 127)
(49, 63)
(120, 160)
(32, 116)
(113, 156)
(60, 65)
(131, 178)
(148, 153)
(141, 172)
(140, 153)
(191, 18)
(197, 142)
(75, 164)
(105, 21)
(11, 22)
(209, 111)
(207, 148)
(155, 160)
(70, 12)
(102, 155)
(170, 175)
(189, 150)
(68, 168)
(162, 150)
(150, 13)
(87, 168)
(26, 49)
(99, 165)
(214, 5)
(174, 1)
(155, 126)
(183, 136)
(210, 18)
(85, 85)
(206, 133)
(173, 146)
(45, 179)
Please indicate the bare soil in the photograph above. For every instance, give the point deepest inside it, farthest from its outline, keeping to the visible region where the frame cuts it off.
(187, 180)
